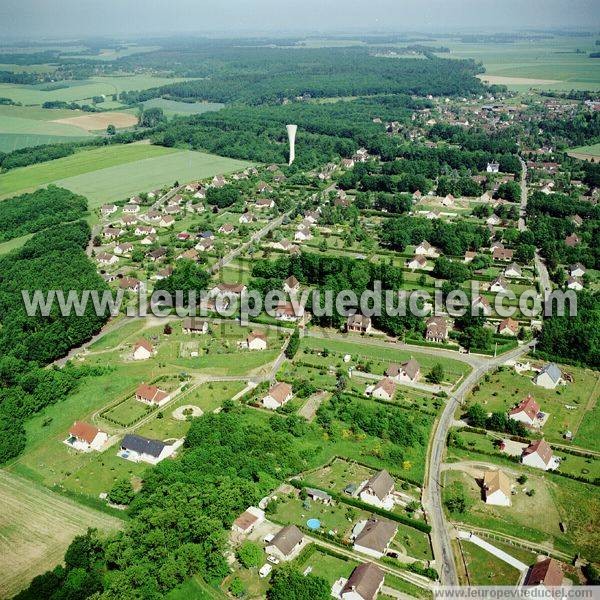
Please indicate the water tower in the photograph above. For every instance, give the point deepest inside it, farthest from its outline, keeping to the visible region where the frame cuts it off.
(291, 130)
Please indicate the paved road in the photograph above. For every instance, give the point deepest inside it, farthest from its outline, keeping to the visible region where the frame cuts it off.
(432, 492)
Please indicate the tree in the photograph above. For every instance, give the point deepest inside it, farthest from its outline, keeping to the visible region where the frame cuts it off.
(250, 554)
(293, 344)
(287, 583)
(476, 415)
(436, 375)
(456, 500)
(121, 492)
(151, 117)
(111, 129)
(237, 587)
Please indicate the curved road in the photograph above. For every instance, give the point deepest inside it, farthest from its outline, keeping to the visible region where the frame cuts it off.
(432, 492)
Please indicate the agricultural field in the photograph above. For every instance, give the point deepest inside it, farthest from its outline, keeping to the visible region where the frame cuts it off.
(568, 405)
(79, 90)
(36, 526)
(100, 121)
(173, 108)
(591, 153)
(116, 172)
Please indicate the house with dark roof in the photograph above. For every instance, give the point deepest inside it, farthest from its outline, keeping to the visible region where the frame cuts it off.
(436, 329)
(374, 536)
(364, 583)
(358, 324)
(379, 491)
(549, 377)
(140, 449)
(286, 544)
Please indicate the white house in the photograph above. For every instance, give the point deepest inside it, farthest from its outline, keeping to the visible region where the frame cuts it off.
(496, 486)
(142, 350)
(577, 270)
(549, 377)
(525, 412)
(140, 449)
(513, 270)
(121, 249)
(374, 536)
(539, 455)
(575, 283)
(151, 395)
(492, 167)
(248, 520)
(379, 491)
(107, 259)
(85, 437)
(303, 235)
(278, 395)
(256, 340)
(499, 285)
(385, 389)
(291, 285)
(508, 327)
(426, 249)
(417, 262)
(108, 209)
(286, 544)
(408, 371)
(364, 583)
(481, 304)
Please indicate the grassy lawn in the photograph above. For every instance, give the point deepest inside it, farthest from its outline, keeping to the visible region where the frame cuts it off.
(13, 244)
(127, 412)
(194, 588)
(503, 389)
(50, 522)
(123, 333)
(172, 107)
(328, 567)
(485, 569)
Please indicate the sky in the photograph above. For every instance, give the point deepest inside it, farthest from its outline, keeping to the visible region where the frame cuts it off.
(85, 18)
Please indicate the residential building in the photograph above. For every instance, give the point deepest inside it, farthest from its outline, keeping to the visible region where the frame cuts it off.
(525, 412)
(508, 327)
(384, 389)
(417, 262)
(496, 486)
(379, 491)
(546, 573)
(426, 249)
(358, 323)
(286, 543)
(513, 270)
(194, 325)
(142, 350)
(364, 583)
(151, 395)
(436, 329)
(549, 377)
(278, 395)
(291, 285)
(256, 340)
(539, 455)
(374, 536)
(85, 437)
(408, 371)
(140, 449)
(248, 520)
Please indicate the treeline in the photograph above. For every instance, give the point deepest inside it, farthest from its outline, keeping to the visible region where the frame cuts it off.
(30, 213)
(180, 519)
(502, 142)
(269, 75)
(54, 259)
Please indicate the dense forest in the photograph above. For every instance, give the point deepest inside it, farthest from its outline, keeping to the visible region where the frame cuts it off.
(30, 213)
(54, 259)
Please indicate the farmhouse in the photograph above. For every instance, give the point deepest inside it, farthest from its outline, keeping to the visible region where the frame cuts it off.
(151, 395)
(140, 449)
(373, 537)
(544, 574)
(408, 371)
(364, 583)
(85, 437)
(379, 491)
(549, 377)
(256, 340)
(539, 455)
(194, 325)
(248, 520)
(286, 544)
(437, 329)
(278, 395)
(358, 324)
(143, 350)
(508, 327)
(384, 390)
(496, 486)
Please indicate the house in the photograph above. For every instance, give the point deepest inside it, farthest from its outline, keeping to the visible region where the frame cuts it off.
(433, 214)
(417, 195)
(384, 389)
(285, 311)
(486, 197)
(157, 254)
(347, 163)
(228, 289)
(318, 495)
(264, 203)
(572, 240)
(140, 449)
(407, 371)
(539, 455)
(184, 236)
(226, 228)
(166, 221)
(175, 200)
(291, 285)
(508, 327)
(151, 395)
(149, 240)
(374, 536)
(142, 230)
(502, 254)
(135, 200)
(575, 283)
(418, 262)
(545, 573)
(364, 583)
(218, 181)
(513, 270)
(112, 233)
(248, 520)
(303, 235)
(577, 270)
(85, 437)
(499, 285)
(256, 340)
(358, 323)
(426, 249)
(247, 217)
(123, 249)
(129, 284)
(577, 220)
(194, 325)
(131, 209)
(278, 395)
(142, 350)
(107, 259)
(436, 329)
(525, 412)
(492, 167)
(191, 254)
(549, 377)
(469, 256)
(481, 305)
(163, 273)
(204, 246)
(379, 491)
(286, 544)
(448, 200)
(264, 188)
(108, 209)
(496, 487)
(493, 219)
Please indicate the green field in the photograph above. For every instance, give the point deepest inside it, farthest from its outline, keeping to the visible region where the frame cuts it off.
(485, 569)
(116, 172)
(77, 90)
(172, 107)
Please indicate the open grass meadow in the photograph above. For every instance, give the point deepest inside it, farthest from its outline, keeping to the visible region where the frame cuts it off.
(36, 526)
(117, 172)
(83, 89)
(484, 568)
(173, 108)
